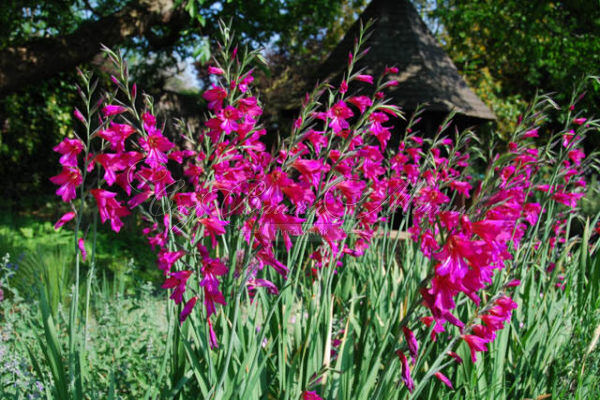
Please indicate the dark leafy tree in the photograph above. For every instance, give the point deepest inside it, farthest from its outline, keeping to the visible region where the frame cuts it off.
(42, 42)
(512, 48)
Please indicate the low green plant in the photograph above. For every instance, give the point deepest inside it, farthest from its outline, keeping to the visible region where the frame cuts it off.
(120, 357)
(37, 248)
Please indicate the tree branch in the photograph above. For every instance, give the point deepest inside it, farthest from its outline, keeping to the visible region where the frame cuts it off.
(42, 58)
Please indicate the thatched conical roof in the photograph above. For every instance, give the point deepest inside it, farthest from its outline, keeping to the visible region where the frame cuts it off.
(426, 74)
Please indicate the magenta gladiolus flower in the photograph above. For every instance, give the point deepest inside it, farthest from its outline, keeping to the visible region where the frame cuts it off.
(297, 123)
(116, 136)
(229, 116)
(532, 133)
(456, 357)
(211, 336)
(567, 137)
(248, 106)
(568, 199)
(311, 170)
(245, 83)
(306, 395)
(475, 344)
(576, 156)
(444, 379)
(343, 87)
(177, 281)
(417, 140)
(278, 220)
(300, 195)
(155, 146)
(449, 219)
(317, 139)
(377, 129)
(275, 182)
(212, 295)
(149, 121)
(139, 199)
(64, 219)
(406, 378)
(81, 245)
(531, 212)
(428, 244)
(215, 128)
(338, 115)
(179, 156)
(213, 267)
(361, 102)
(110, 208)
(507, 305)
(111, 163)
(494, 322)
(493, 230)
(513, 283)
(70, 149)
(187, 309)
(215, 70)
(79, 116)
(69, 179)
(213, 227)
(265, 257)
(160, 177)
(215, 97)
(415, 153)
(111, 110)
(166, 259)
(254, 283)
(579, 121)
(411, 341)
(352, 190)
(365, 78)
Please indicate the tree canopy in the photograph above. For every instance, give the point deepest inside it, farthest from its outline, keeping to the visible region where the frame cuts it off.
(513, 48)
(506, 50)
(41, 39)
(42, 42)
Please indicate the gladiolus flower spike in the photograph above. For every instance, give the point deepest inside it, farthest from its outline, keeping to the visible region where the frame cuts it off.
(336, 178)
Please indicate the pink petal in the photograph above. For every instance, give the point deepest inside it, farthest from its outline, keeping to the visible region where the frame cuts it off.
(81, 245)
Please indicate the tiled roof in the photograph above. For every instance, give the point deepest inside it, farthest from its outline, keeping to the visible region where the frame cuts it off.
(400, 38)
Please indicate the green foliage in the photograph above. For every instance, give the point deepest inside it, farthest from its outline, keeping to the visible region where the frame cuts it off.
(549, 348)
(39, 252)
(126, 335)
(33, 122)
(521, 46)
(17, 380)
(289, 24)
(125, 345)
